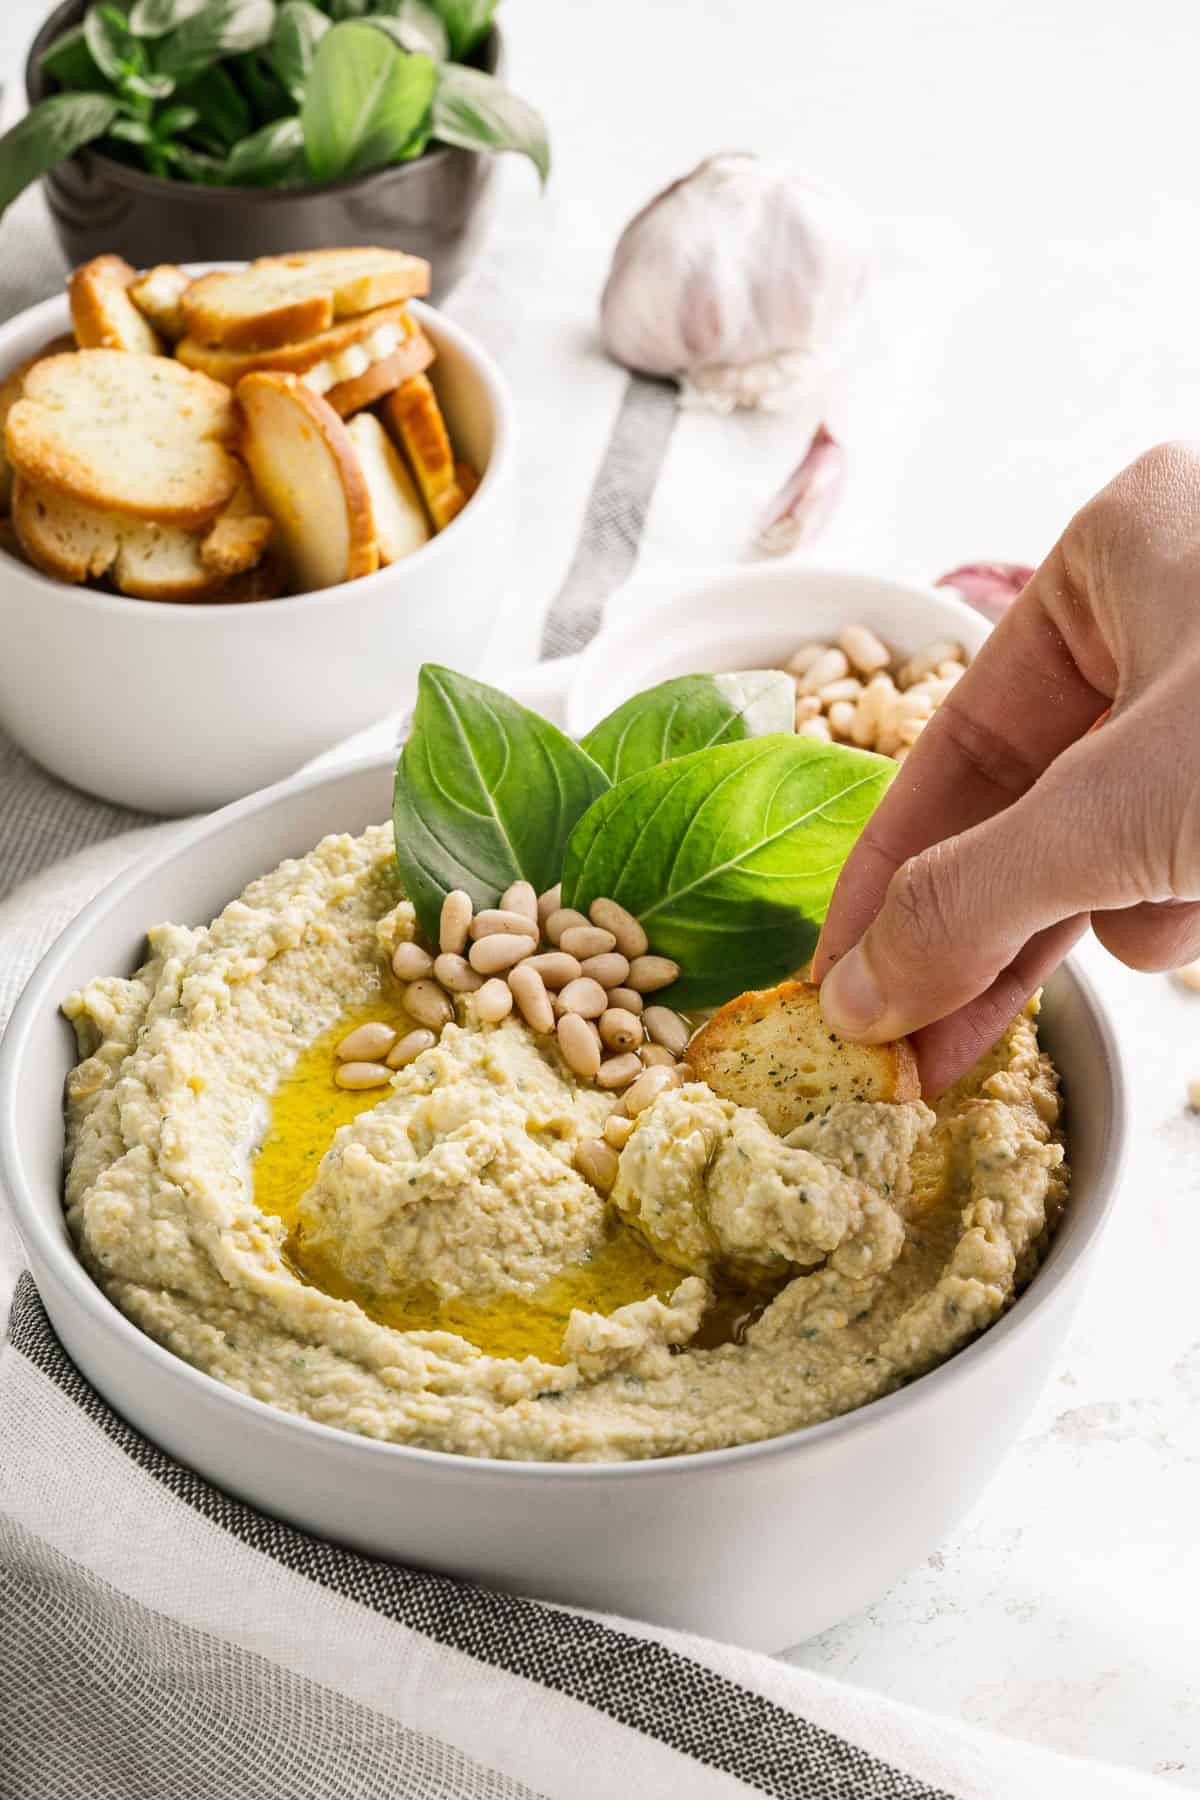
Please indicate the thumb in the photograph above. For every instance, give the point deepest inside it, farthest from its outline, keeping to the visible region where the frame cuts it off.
(960, 913)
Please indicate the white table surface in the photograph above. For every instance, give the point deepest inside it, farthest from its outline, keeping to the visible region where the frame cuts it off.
(1033, 171)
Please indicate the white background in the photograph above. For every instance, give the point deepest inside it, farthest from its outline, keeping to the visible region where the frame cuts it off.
(1035, 178)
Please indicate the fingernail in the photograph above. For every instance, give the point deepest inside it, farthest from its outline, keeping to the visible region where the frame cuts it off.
(850, 996)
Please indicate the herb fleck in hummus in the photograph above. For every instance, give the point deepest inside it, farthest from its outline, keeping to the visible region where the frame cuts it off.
(434, 1271)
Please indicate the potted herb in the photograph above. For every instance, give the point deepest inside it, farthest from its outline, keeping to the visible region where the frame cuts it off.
(192, 130)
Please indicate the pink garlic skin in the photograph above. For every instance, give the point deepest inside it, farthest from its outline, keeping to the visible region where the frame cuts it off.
(808, 499)
(990, 587)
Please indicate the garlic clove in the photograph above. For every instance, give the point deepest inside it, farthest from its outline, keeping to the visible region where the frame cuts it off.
(990, 587)
(808, 499)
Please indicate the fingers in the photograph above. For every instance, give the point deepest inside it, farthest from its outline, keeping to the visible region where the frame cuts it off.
(1021, 703)
(1162, 934)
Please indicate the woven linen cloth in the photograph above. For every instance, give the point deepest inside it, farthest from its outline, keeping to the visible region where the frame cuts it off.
(158, 1637)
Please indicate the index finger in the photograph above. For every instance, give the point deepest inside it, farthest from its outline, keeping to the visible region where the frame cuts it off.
(1022, 701)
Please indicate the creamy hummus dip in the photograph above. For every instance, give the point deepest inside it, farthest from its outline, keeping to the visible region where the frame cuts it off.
(423, 1264)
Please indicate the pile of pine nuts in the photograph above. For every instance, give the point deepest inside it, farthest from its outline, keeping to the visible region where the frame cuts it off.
(586, 980)
(858, 691)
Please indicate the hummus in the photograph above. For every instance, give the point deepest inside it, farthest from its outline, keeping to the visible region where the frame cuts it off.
(424, 1264)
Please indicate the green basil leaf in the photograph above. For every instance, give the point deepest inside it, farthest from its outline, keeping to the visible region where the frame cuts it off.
(478, 112)
(152, 18)
(114, 49)
(364, 101)
(148, 87)
(349, 9)
(270, 157)
(415, 26)
(69, 62)
(265, 93)
(690, 713)
(467, 22)
(299, 28)
(728, 857)
(173, 121)
(53, 129)
(193, 165)
(224, 113)
(131, 131)
(486, 794)
(220, 28)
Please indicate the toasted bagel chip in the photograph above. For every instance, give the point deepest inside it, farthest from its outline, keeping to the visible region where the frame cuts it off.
(102, 314)
(401, 524)
(280, 298)
(138, 434)
(11, 389)
(238, 537)
(157, 295)
(143, 558)
(307, 474)
(771, 1049)
(415, 419)
(299, 355)
(381, 377)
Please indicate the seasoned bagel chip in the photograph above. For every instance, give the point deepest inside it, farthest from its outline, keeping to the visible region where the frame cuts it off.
(301, 355)
(400, 522)
(11, 389)
(415, 418)
(102, 313)
(157, 294)
(280, 298)
(142, 558)
(771, 1049)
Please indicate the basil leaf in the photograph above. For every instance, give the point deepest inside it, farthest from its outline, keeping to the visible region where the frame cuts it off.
(193, 165)
(151, 18)
(467, 22)
(350, 9)
(364, 101)
(269, 157)
(148, 87)
(299, 27)
(131, 131)
(114, 49)
(415, 26)
(690, 713)
(173, 121)
(220, 28)
(486, 794)
(266, 94)
(729, 856)
(224, 114)
(55, 128)
(478, 112)
(69, 62)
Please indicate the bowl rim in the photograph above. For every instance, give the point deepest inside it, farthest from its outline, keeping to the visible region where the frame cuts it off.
(42, 990)
(181, 614)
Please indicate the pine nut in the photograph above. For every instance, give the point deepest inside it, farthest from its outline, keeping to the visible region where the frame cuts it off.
(455, 922)
(533, 1002)
(362, 1074)
(620, 1029)
(909, 730)
(875, 696)
(808, 707)
(1188, 977)
(609, 969)
(496, 918)
(366, 1043)
(503, 949)
(549, 902)
(563, 920)
(428, 1004)
(656, 1056)
(580, 1048)
(584, 996)
(618, 1129)
(927, 660)
(625, 1000)
(619, 1071)
(597, 1163)
(841, 718)
(456, 974)
(494, 1001)
(848, 689)
(649, 973)
(663, 1026)
(802, 660)
(646, 1089)
(556, 968)
(865, 650)
(410, 962)
(950, 671)
(586, 940)
(830, 667)
(411, 1045)
(631, 940)
(815, 728)
(520, 898)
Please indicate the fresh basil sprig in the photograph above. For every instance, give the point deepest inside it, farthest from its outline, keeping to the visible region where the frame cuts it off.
(690, 713)
(487, 793)
(191, 86)
(728, 857)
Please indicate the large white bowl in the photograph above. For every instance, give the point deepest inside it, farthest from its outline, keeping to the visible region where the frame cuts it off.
(179, 708)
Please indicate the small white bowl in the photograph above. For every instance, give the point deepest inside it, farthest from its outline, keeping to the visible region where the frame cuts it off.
(179, 708)
(764, 1544)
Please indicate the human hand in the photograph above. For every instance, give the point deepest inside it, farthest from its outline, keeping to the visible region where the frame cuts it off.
(1013, 820)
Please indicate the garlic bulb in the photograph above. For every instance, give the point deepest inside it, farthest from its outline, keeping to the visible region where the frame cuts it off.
(739, 280)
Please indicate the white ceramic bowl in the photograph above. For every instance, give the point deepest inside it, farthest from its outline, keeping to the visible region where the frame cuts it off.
(763, 1544)
(179, 708)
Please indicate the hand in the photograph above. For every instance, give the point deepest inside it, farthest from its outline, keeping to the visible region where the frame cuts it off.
(1014, 818)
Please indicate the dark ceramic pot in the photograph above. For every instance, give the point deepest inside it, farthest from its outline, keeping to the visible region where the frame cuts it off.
(431, 207)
